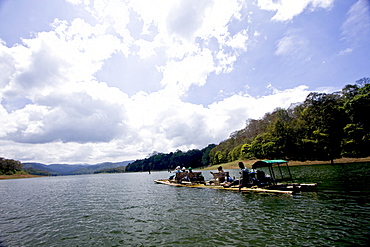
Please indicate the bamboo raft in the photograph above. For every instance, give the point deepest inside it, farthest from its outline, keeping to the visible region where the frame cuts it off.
(253, 182)
(220, 187)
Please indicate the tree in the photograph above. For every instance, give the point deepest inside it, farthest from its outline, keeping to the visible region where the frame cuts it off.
(324, 120)
(358, 105)
(356, 133)
(246, 151)
(235, 154)
(355, 142)
(158, 161)
(10, 166)
(206, 154)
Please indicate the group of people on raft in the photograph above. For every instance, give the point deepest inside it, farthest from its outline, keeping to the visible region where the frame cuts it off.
(250, 178)
(181, 175)
(247, 178)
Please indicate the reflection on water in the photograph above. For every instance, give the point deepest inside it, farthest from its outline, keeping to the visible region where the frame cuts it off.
(130, 210)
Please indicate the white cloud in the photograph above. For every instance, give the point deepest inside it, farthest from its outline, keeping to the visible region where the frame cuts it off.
(51, 98)
(68, 117)
(357, 23)
(239, 40)
(76, 2)
(192, 70)
(187, 17)
(154, 122)
(225, 62)
(292, 44)
(256, 34)
(345, 51)
(285, 45)
(146, 48)
(288, 9)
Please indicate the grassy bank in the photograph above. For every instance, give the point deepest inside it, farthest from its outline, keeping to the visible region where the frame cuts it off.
(15, 176)
(249, 163)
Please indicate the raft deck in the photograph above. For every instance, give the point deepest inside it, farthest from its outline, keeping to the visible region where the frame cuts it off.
(235, 188)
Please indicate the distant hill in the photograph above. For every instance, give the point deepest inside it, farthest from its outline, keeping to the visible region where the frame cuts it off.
(65, 169)
(38, 167)
(73, 169)
(88, 169)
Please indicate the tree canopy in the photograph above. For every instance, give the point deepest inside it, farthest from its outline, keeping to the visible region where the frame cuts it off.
(10, 166)
(158, 161)
(323, 127)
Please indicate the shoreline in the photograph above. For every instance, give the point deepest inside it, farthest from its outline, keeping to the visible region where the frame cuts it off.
(234, 165)
(249, 163)
(18, 176)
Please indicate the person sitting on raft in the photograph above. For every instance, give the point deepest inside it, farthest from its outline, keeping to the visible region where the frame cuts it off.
(245, 179)
(177, 170)
(244, 176)
(219, 170)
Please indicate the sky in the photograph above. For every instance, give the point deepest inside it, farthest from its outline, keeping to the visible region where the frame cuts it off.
(90, 81)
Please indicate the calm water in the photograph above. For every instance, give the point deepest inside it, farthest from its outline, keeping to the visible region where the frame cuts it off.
(131, 210)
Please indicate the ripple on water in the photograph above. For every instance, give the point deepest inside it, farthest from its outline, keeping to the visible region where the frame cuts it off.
(130, 210)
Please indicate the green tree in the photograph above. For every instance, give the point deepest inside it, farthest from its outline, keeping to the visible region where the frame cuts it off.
(355, 142)
(357, 106)
(357, 131)
(324, 120)
(206, 160)
(235, 154)
(246, 151)
(10, 166)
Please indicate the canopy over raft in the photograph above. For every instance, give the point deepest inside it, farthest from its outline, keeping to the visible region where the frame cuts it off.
(275, 163)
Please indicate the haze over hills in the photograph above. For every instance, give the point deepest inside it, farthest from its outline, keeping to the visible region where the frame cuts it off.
(73, 169)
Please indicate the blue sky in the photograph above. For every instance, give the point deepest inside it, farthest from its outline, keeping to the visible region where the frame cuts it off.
(87, 81)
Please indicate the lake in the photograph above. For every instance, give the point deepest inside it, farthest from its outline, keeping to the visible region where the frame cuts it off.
(129, 209)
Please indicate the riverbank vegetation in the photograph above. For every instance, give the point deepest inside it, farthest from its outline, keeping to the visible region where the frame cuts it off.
(323, 127)
(158, 161)
(11, 167)
(249, 163)
(17, 176)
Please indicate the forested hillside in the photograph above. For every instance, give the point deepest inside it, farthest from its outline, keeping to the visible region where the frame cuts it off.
(10, 166)
(323, 127)
(159, 161)
(74, 169)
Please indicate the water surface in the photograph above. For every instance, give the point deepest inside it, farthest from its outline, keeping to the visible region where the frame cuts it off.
(131, 210)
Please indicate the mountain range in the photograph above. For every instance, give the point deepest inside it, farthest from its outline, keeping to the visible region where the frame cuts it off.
(72, 169)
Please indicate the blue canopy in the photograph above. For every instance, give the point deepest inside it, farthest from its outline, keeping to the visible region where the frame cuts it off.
(267, 163)
(270, 164)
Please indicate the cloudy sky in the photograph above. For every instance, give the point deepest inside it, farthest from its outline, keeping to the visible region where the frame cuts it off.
(87, 81)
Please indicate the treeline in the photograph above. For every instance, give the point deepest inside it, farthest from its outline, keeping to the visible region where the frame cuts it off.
(323, 127)
(119, 169)
(34, 171)
(158, 161)
(10, 166)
